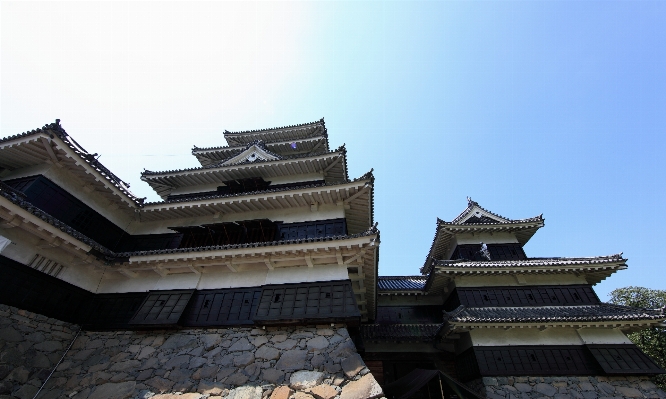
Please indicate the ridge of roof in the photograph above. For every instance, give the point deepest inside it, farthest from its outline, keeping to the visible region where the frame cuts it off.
(226, 132)
(471, 204)
(91, 159)
(340, 149)
(366, 176)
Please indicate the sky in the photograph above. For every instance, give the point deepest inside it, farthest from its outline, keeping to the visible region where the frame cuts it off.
(527, 107)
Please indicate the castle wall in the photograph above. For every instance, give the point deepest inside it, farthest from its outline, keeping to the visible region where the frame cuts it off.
(30, 347)
(566, 387)
(549, 336)
(139, 364)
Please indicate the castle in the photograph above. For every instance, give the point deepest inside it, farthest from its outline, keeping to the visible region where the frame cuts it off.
(256, 275)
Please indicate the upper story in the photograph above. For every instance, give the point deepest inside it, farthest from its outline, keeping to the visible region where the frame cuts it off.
(275, 206)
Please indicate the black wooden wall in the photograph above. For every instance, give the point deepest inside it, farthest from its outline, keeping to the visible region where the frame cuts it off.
(543, 295)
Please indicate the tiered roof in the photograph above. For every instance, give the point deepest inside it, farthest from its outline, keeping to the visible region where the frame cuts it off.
(308, 138)
(475, 219)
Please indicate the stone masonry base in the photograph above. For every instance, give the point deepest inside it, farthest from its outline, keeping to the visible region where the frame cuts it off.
(305, 362)
(596, 387)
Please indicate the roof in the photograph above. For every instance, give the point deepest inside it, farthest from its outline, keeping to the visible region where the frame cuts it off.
(12, 157)
(399, 332)
(277, 133)
(401, 283)
(530, 262)
(165, 182)
(548, 314)
(476, 219)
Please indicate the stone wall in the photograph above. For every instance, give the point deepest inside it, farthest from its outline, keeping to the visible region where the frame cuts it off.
(30, 347)
(566, 387)
(298, 362)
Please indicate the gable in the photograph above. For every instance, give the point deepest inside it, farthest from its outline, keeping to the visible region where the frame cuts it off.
(254, 153)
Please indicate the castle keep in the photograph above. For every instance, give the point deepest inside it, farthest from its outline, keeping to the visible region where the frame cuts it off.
(256, 275)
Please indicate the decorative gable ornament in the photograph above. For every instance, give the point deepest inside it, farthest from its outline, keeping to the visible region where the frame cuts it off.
(255, 152)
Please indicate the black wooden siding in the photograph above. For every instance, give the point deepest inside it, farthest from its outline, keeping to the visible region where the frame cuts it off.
(223, 307)
(29, 289)
(553, 360)
(294, 303)
(623, 359)
(313, 229)
(409, 314)
(162, 308)
(560, 295)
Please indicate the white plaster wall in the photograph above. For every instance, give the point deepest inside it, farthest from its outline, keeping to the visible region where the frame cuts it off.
(290, 215)
(603, 336)
(273, 180)
(495, 238)
(23, 248)
(220, 278)
(510, 280)
(525, 336)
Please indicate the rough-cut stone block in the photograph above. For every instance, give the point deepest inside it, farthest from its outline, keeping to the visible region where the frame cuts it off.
(113, 390)
(352, 365)
(241, 345)
(49, 346)
(292, 360)
(283, 392)
(345, 349)
(606, 388)
(210, 388)
(25, 392)
(204, 372)
(173, 396)
(259, 340)
(523, 387)
(178, 341)
(245, 393)
(286, 345)
(317, 343)
(243, 359)
(302, 395)
(10, 335)
(236, 379)
(128, 364)
(331, 367)
(272, 375)
(364, 388)
(545, 389)
(325, 331)
(145, 352)
(268, 353)
(177, 361)
(279, 338)
(210, 340)
(224, 373)
(629, 392)
(161, 384)
(324, 391)
(305, 379)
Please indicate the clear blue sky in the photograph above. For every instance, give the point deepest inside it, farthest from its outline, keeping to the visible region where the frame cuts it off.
(528, 107)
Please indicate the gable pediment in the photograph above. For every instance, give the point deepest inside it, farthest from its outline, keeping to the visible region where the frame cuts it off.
(253, 153)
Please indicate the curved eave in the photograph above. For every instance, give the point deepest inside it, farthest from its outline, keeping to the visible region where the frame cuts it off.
(47, 147)
(332, 164)
(275, 134)
(213, 155)
(355, 197)
(625, 325)
(593, 273)
(446, 232)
